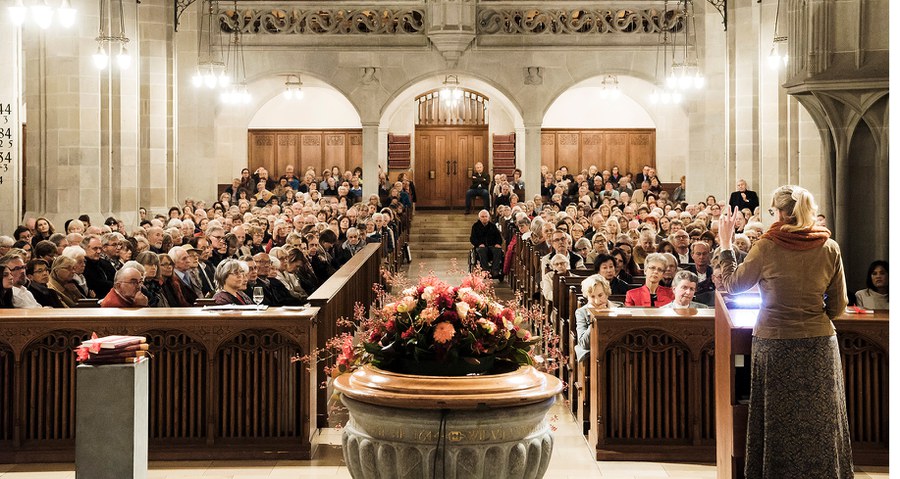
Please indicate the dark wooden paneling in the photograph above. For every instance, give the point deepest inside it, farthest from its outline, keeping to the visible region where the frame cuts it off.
(275, 149)
(578, 149)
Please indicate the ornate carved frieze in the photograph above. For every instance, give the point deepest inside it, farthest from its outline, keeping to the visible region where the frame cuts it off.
(282, 20)
(558, 21)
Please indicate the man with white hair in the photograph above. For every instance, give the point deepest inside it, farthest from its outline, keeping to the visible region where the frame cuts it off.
(126, 291)
(155, 238)
(182, 270)
(486, 238)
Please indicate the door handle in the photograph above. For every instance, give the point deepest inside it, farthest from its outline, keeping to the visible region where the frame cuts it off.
(448, 167)
(454, 167)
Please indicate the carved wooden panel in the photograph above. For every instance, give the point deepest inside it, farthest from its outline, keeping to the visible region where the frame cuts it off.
(7, 383)
(275, 149)
(630, 149)
(469, 109)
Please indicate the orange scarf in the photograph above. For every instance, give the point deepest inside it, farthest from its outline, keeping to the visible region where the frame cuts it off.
(813, 237)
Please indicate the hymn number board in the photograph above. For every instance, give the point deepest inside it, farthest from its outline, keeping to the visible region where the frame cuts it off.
(8, 139)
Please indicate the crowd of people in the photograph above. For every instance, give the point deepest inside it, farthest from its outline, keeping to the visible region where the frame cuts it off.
(645, 244)
(285, 236)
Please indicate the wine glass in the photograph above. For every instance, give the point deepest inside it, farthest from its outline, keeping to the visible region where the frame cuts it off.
(258, 296)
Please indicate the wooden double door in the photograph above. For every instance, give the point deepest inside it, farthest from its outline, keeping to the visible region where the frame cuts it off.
(445, 159)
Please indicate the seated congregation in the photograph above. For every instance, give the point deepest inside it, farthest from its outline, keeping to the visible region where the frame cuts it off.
(285, 239)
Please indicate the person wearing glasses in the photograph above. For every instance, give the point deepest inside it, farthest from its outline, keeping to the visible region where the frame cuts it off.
(651, 294)
(37, 273)
(126, 290)
(22, 297)
(796, 373)
(350, 247)
(231, 278)
(62, 281)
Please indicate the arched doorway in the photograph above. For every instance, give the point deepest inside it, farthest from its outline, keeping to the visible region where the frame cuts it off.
(400, 129)
(451, 137)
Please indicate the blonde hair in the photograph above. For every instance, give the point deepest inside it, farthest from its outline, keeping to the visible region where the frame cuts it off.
(798, 205)
(593, 281)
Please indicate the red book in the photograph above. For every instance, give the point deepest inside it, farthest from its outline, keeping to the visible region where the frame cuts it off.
(113, 342)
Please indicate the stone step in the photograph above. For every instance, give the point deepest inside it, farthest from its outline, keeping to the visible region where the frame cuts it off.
(462, 257)
(434, 234)
(441, 245)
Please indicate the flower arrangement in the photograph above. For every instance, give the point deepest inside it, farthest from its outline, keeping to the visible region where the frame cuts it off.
(433, 328)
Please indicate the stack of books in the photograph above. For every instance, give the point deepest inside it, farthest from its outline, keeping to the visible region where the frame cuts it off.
(113, 350)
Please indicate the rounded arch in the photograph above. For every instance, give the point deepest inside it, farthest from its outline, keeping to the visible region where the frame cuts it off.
(231, 123)
(595, 78)
(580, 107)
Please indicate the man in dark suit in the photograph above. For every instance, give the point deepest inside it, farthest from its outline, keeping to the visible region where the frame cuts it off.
(700, 254)
(486, 239)
(479, 187)
(95, 271)
(744, 198)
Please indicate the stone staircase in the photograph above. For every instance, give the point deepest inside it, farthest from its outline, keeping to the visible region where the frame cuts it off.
(443, 235)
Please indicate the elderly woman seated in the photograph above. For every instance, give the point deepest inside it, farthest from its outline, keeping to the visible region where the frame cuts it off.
(559, 265)
(597, 291)
(651, 294)
(62, 275)
(231, 280)
(684, 285)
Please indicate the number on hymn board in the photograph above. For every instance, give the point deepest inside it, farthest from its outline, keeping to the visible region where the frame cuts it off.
(5, 108)
(5, 133)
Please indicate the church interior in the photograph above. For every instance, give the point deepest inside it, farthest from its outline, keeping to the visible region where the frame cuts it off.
(240, 126)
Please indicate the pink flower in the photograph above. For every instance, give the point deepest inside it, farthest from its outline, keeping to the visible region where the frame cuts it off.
(444, 332)
(428, 314)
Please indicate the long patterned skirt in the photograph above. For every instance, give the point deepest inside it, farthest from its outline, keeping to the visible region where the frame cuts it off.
(798, 415)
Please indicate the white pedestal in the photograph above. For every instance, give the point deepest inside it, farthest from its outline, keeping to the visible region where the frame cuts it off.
(111, 421)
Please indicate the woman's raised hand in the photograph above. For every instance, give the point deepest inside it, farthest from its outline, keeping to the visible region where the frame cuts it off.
(726, 227)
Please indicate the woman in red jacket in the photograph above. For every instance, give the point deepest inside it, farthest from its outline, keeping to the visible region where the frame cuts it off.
(651, 294)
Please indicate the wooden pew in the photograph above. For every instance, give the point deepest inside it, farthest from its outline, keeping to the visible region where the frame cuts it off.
(222, 384)
(863, 340)
(652, 385)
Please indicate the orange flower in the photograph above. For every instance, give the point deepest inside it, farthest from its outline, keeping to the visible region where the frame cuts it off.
(444, 332)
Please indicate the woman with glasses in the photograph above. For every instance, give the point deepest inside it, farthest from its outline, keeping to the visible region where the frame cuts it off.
(652, 294)
(62, 275)
(231, 280)
(797, 424)
(170, 284)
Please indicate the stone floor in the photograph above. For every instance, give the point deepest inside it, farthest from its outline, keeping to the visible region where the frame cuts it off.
(572, 459)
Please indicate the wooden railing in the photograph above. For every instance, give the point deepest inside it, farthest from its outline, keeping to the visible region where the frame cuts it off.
(337, 298)
(222, 384)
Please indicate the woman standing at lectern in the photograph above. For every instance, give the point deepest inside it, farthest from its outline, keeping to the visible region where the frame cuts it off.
(797, 425)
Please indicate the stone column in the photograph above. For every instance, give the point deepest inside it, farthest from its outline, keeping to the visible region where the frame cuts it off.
(370, 158)
(706, 165)
(155, 166)
(10, 130)
(531, 166)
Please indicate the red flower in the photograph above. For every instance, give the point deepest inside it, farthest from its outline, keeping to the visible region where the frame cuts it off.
(391, 326)
(408, 333)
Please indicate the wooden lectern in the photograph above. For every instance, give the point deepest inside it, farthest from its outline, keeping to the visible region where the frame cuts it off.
(863, 341)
